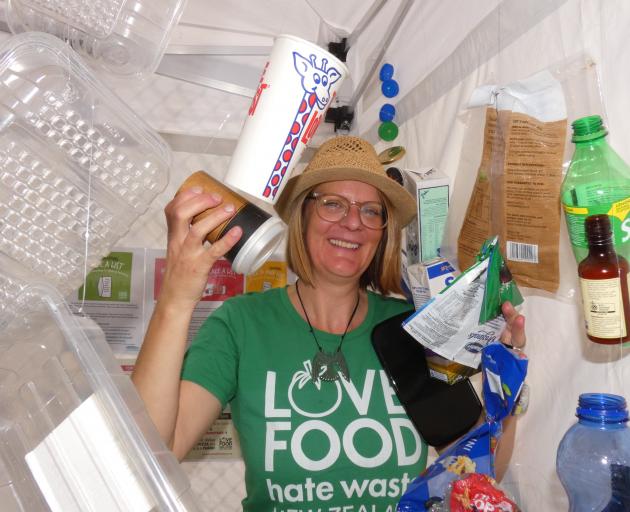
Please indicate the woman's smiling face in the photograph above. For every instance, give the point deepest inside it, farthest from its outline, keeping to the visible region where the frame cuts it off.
(341, 250)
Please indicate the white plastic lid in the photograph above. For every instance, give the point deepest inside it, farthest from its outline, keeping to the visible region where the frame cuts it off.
(260, 246)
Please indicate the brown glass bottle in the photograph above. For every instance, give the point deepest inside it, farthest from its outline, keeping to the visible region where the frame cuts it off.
(604, 283)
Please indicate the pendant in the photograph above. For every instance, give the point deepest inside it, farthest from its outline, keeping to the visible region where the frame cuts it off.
(328, 367)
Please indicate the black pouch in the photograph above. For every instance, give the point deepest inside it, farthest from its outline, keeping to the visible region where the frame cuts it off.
(441, 412)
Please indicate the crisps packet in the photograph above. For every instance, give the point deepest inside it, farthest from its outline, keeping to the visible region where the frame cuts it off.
(475, 492)
(473, 453)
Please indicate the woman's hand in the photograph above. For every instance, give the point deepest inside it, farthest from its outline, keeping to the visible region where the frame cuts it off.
(514, 333)
(188, 259)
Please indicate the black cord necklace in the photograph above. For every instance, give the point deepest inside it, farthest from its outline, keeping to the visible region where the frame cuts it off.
(327, 366)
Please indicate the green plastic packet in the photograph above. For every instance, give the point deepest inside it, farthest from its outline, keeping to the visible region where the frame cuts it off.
(500, 286)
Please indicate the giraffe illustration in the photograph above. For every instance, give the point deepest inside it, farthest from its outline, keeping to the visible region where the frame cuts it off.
(316, 82)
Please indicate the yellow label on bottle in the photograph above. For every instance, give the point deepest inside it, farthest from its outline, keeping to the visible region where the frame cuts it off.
(620, 209)
(603, 308)
(575, 209)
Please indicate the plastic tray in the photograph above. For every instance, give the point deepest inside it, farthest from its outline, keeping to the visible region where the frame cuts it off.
(126, 37)
(74, 159)
(74, 434)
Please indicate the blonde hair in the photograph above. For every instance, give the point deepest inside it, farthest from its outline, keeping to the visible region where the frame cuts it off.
(383, 273)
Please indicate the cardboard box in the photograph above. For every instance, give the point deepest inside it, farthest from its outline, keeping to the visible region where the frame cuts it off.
(445, 370)
(424, 235)
(426, 280)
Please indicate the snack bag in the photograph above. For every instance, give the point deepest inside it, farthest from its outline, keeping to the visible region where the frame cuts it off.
(504, 372)
(475, 492)
(466, 316)
(473, 453)
(500, 286)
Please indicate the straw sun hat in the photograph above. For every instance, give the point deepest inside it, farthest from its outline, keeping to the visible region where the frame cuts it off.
(347, 158)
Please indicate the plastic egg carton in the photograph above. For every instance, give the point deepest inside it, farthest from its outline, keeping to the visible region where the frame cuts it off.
(125, 37)
(77, 167)
(74, 434)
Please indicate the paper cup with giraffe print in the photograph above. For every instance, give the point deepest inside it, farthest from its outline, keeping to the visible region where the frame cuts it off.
(298, 84)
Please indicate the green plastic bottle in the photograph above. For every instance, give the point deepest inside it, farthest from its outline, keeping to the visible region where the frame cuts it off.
(598, 181)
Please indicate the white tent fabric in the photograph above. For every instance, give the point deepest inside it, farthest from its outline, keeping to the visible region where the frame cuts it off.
(441, 51)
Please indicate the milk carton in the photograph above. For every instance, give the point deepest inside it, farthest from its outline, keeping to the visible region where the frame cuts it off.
(424, 234)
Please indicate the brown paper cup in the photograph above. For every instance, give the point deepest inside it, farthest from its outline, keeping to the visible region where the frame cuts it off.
(262, 232)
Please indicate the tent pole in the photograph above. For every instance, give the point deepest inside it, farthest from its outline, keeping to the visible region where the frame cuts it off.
(371, 13)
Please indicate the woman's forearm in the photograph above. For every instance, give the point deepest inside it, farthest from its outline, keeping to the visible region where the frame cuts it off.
(158, 367)
(505, 447)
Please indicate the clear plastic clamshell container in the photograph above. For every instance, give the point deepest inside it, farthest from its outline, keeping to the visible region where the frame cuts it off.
(74, 434)
(77, 167)
(125, 37)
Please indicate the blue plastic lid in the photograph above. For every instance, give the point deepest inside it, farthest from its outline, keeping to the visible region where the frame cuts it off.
(389, 88)
(387, 112)
(386, 72)
(602, 408)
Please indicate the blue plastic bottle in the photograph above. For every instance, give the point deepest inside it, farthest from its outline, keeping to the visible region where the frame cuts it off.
(593, 459)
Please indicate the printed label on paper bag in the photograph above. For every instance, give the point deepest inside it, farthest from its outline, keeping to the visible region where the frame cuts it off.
(516, 196)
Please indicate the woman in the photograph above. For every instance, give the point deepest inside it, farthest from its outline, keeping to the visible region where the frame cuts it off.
(318, 423)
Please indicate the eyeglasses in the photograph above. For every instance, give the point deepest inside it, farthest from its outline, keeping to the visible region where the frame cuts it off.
(333, 208)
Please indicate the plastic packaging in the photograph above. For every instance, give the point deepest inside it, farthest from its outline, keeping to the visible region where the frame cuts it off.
(504, 373)
(466, 316)
(75, 435)
(77, 167)
(597, 181)
(593, 459)
(475, 492)
(125, 37)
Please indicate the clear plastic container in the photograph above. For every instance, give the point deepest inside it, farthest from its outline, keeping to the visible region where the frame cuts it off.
(77, 167)
(125, 37)
(593, 459)
(74, 434)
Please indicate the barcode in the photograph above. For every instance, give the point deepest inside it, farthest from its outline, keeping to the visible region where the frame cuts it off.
(522, 252)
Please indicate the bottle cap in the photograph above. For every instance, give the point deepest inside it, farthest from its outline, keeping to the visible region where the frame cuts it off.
(588, 128)
(388, 131)
(390, 155)
(389, 88)
(387, 112)
(602, 408)
(386, 72)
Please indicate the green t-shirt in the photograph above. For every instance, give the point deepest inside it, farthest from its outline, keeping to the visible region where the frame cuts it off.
(340, 446)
